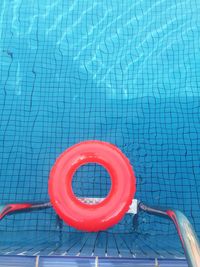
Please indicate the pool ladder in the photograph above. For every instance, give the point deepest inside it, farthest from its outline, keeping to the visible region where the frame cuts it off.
(187, 235)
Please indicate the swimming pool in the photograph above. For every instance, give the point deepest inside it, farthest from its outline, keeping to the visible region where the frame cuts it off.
(122, 72)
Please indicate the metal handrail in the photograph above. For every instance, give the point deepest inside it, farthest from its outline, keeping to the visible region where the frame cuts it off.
(187, 235)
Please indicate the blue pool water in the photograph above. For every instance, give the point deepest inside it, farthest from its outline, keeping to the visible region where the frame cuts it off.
(126, 72)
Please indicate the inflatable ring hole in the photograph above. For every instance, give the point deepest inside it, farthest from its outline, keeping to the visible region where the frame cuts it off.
(91, 181)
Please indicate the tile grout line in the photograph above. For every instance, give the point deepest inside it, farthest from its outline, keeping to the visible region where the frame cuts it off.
(156, 262)
(37, 261)
(96, 261)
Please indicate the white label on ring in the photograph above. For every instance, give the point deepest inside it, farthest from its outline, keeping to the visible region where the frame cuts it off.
(90, 200)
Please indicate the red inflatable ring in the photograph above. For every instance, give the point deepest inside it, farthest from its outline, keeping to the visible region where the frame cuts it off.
(108, 212)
